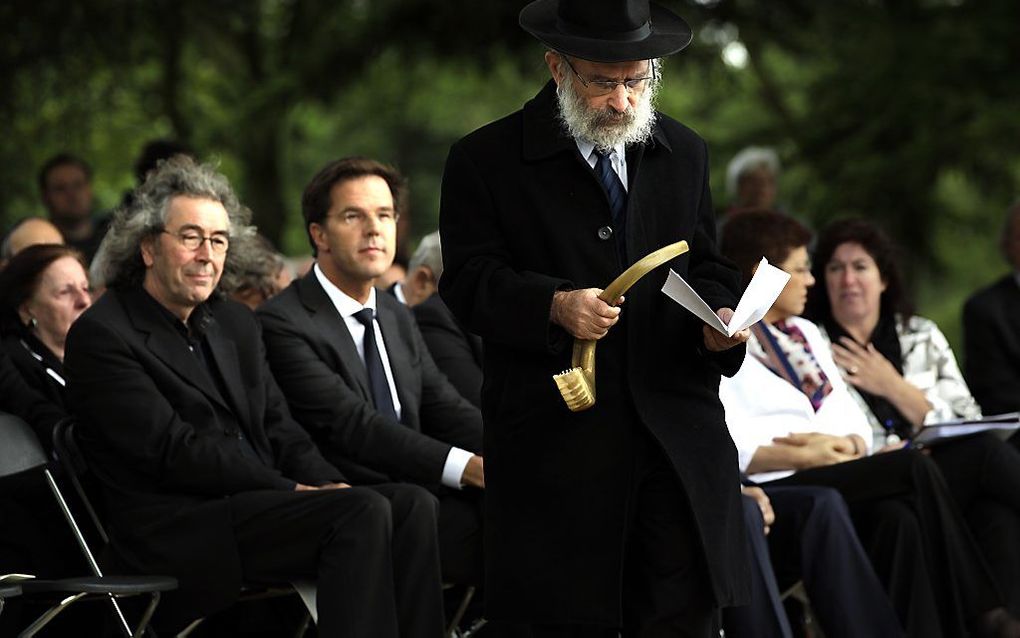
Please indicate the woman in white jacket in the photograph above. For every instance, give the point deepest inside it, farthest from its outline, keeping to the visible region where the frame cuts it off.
(794, 423)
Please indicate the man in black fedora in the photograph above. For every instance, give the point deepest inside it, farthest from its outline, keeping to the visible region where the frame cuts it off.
(627, 515)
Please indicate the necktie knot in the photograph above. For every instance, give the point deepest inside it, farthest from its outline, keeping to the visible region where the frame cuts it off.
(365, 317)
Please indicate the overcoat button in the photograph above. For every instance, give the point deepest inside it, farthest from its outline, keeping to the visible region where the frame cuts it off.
(605, 233)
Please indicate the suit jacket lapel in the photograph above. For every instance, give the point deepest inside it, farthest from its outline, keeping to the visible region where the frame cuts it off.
(225, 355)
(396, 350)
(332, 328)
(163, 341)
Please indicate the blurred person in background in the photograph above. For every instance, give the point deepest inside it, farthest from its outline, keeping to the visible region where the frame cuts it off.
(991, 331)
(258, 271)
(43, 290)
(28, 232)
(423, 270)
(65, 185)
(900, 369)
(752, 179)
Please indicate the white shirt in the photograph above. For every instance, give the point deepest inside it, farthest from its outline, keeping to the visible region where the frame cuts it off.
(618, 158)
(347, 306)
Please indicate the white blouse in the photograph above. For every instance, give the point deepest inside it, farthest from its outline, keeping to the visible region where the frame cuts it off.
(761, 405)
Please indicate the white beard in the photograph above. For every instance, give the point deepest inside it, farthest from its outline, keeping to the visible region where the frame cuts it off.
(606, 128)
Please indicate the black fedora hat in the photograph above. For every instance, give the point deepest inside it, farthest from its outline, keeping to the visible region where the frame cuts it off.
(606, 30)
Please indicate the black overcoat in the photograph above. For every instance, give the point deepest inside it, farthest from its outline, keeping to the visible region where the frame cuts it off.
(165, 444)
(520, 218)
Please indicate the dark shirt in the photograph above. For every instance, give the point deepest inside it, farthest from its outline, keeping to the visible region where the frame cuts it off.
(193, 338)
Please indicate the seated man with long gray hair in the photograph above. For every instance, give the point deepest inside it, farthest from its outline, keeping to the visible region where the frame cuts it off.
(206, 476)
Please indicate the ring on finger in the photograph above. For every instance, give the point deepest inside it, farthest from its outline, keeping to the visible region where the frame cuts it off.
(853, 370)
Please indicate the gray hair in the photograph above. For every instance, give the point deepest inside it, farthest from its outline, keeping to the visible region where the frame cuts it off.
(429, 253)
(749, 159)
(118, 262)
(256, 266)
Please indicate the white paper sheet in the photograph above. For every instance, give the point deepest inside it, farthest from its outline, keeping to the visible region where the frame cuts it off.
(761, 293)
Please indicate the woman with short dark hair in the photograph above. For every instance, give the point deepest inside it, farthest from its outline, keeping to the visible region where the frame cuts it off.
(43, 289)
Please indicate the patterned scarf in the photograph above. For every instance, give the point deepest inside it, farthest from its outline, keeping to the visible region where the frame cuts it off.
(782, 348)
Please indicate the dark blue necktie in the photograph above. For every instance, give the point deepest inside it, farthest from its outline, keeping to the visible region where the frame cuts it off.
(373, 364)
(617, 200)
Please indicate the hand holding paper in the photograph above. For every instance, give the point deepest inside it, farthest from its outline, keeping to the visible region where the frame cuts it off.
(761, 293)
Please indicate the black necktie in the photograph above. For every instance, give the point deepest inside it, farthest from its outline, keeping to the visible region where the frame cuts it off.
(617, 200)
(373, 364)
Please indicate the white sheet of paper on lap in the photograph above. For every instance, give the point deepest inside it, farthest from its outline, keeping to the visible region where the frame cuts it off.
(762, 291)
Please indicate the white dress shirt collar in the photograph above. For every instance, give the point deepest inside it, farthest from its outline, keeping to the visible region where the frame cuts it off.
(345, 304)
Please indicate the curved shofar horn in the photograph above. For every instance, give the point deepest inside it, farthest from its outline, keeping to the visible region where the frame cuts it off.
(577, 385)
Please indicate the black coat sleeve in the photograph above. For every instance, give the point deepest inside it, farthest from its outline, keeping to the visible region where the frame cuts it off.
(993, 377)
(480, 283)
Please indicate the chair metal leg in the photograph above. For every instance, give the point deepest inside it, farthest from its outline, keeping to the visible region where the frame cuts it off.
(125, 627)
(184, 633)
(143, 622)
(49, 615)
(451, 629)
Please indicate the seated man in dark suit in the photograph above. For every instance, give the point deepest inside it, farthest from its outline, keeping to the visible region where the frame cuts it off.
(991, 332)
(355, 370)
(205, 474)
(457, 352)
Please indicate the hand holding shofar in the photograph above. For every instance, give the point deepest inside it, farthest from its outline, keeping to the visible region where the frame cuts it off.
(577, 385)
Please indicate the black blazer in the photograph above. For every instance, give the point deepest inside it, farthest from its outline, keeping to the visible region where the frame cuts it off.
(522, 215)
(314, 359)
(165, 444)
(457, 352)
(991, 335)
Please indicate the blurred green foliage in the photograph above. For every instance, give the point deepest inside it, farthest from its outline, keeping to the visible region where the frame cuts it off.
(903, 111)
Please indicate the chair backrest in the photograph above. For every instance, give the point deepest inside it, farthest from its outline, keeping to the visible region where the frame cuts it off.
(76, 469)
(20, 449)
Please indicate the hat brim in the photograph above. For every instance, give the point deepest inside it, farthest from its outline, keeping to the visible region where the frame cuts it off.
(669, 34)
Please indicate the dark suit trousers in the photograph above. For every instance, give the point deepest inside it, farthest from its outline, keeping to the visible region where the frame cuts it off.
(916, 537)
(666, 591)
(372, 551)
(983, 473)
(764, 616)
(812, 539)
(460, 536)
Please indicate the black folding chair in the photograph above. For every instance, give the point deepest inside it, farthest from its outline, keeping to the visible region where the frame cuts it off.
(21, 452)
(8, 591)
(76, 470)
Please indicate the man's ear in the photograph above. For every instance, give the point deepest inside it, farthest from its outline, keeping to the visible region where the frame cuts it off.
(148, 249)
(318, 235)
(552, 60)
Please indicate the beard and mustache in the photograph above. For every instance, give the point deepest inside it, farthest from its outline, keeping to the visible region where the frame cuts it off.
(605, 127)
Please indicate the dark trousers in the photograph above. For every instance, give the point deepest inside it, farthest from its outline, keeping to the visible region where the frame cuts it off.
(460, 536)
(813, 540)
(666, 589)
(372, 551)
(763, 616)
(916, 537)
(983, 473)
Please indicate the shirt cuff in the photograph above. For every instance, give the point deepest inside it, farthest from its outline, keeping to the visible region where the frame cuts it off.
(456, 461)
